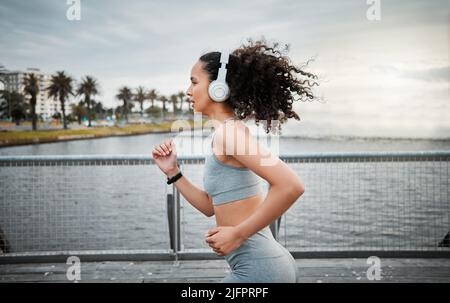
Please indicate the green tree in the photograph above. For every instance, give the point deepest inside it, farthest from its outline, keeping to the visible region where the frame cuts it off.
(174, 101)
(60, 88)
(181, 96)
(163, 99)
(18, 105)
(125, 95)
(152, 96)
(99, 109)
(79, 111)
(88, 88)
(153, 111)
(140, 96)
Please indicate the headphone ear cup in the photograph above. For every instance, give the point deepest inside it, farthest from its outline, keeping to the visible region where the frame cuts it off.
(218, 91)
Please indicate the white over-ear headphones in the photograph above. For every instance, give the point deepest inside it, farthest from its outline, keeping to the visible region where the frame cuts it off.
(218, 89)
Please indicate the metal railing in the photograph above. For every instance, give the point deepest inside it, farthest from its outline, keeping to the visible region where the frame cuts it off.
(119, 207)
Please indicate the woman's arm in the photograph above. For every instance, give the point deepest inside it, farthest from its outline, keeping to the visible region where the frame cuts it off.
(165, 156)
(285, 186)
(194, 195)
(278, 200)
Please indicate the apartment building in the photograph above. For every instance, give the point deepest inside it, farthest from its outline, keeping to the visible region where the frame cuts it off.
(45, 106)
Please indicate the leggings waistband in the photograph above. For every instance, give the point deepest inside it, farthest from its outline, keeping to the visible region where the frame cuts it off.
(260, 245)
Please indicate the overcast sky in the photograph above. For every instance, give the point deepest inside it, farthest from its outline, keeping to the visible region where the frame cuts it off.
(388, 77)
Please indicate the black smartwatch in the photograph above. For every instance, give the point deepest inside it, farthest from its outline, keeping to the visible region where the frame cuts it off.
(174, 178)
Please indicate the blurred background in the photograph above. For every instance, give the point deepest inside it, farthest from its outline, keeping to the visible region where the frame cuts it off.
(383, 69)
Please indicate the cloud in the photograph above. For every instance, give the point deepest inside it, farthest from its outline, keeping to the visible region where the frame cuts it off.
(369, 66)
(431, 74)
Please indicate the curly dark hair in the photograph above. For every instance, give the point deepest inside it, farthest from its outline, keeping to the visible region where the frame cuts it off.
(263, 83)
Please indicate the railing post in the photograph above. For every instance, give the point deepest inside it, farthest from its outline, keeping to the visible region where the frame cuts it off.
(174, 220)
(4, 244)
(171, 220)
(275, 227)
(177, 216)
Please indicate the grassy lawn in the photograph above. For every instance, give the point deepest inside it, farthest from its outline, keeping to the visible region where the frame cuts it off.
(10, 138)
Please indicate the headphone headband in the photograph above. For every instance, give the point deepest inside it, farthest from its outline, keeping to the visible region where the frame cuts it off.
(224, 57)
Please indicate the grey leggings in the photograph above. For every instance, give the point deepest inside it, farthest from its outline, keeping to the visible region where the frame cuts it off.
(261, 259)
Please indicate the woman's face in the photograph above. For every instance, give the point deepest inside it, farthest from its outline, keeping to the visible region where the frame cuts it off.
(198, 90)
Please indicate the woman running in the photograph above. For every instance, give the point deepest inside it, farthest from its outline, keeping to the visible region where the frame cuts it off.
(254, 81)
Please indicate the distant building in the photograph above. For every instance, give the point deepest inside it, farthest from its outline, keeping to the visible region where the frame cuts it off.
(3, 71)
(45, 106)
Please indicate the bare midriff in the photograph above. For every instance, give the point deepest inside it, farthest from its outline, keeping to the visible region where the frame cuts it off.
(235, 212)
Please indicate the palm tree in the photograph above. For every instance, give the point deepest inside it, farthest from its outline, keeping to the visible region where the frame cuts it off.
(163, 99)
(125, 95)
(60, 88)
(152, 96)
(174, 101)
(181, 95)
(31, 87)
(140, 97)
(88, 87)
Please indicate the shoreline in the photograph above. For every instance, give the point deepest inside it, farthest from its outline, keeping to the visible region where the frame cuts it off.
(73, 138)
(10, 138)
(21, 138)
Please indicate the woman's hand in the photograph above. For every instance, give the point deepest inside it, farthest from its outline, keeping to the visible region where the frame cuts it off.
(224, 239)
(165, 156)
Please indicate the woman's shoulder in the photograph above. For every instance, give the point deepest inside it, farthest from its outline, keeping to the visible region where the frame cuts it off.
(232, 134)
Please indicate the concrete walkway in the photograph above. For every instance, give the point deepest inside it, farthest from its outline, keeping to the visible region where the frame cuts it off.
(352, 270)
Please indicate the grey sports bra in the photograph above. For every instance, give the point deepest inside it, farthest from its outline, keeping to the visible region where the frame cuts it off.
(226, 183)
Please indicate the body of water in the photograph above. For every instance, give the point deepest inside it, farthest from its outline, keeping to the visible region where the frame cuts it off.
(345, 206)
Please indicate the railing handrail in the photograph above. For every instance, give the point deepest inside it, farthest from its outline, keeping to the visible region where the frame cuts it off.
(184, 158)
